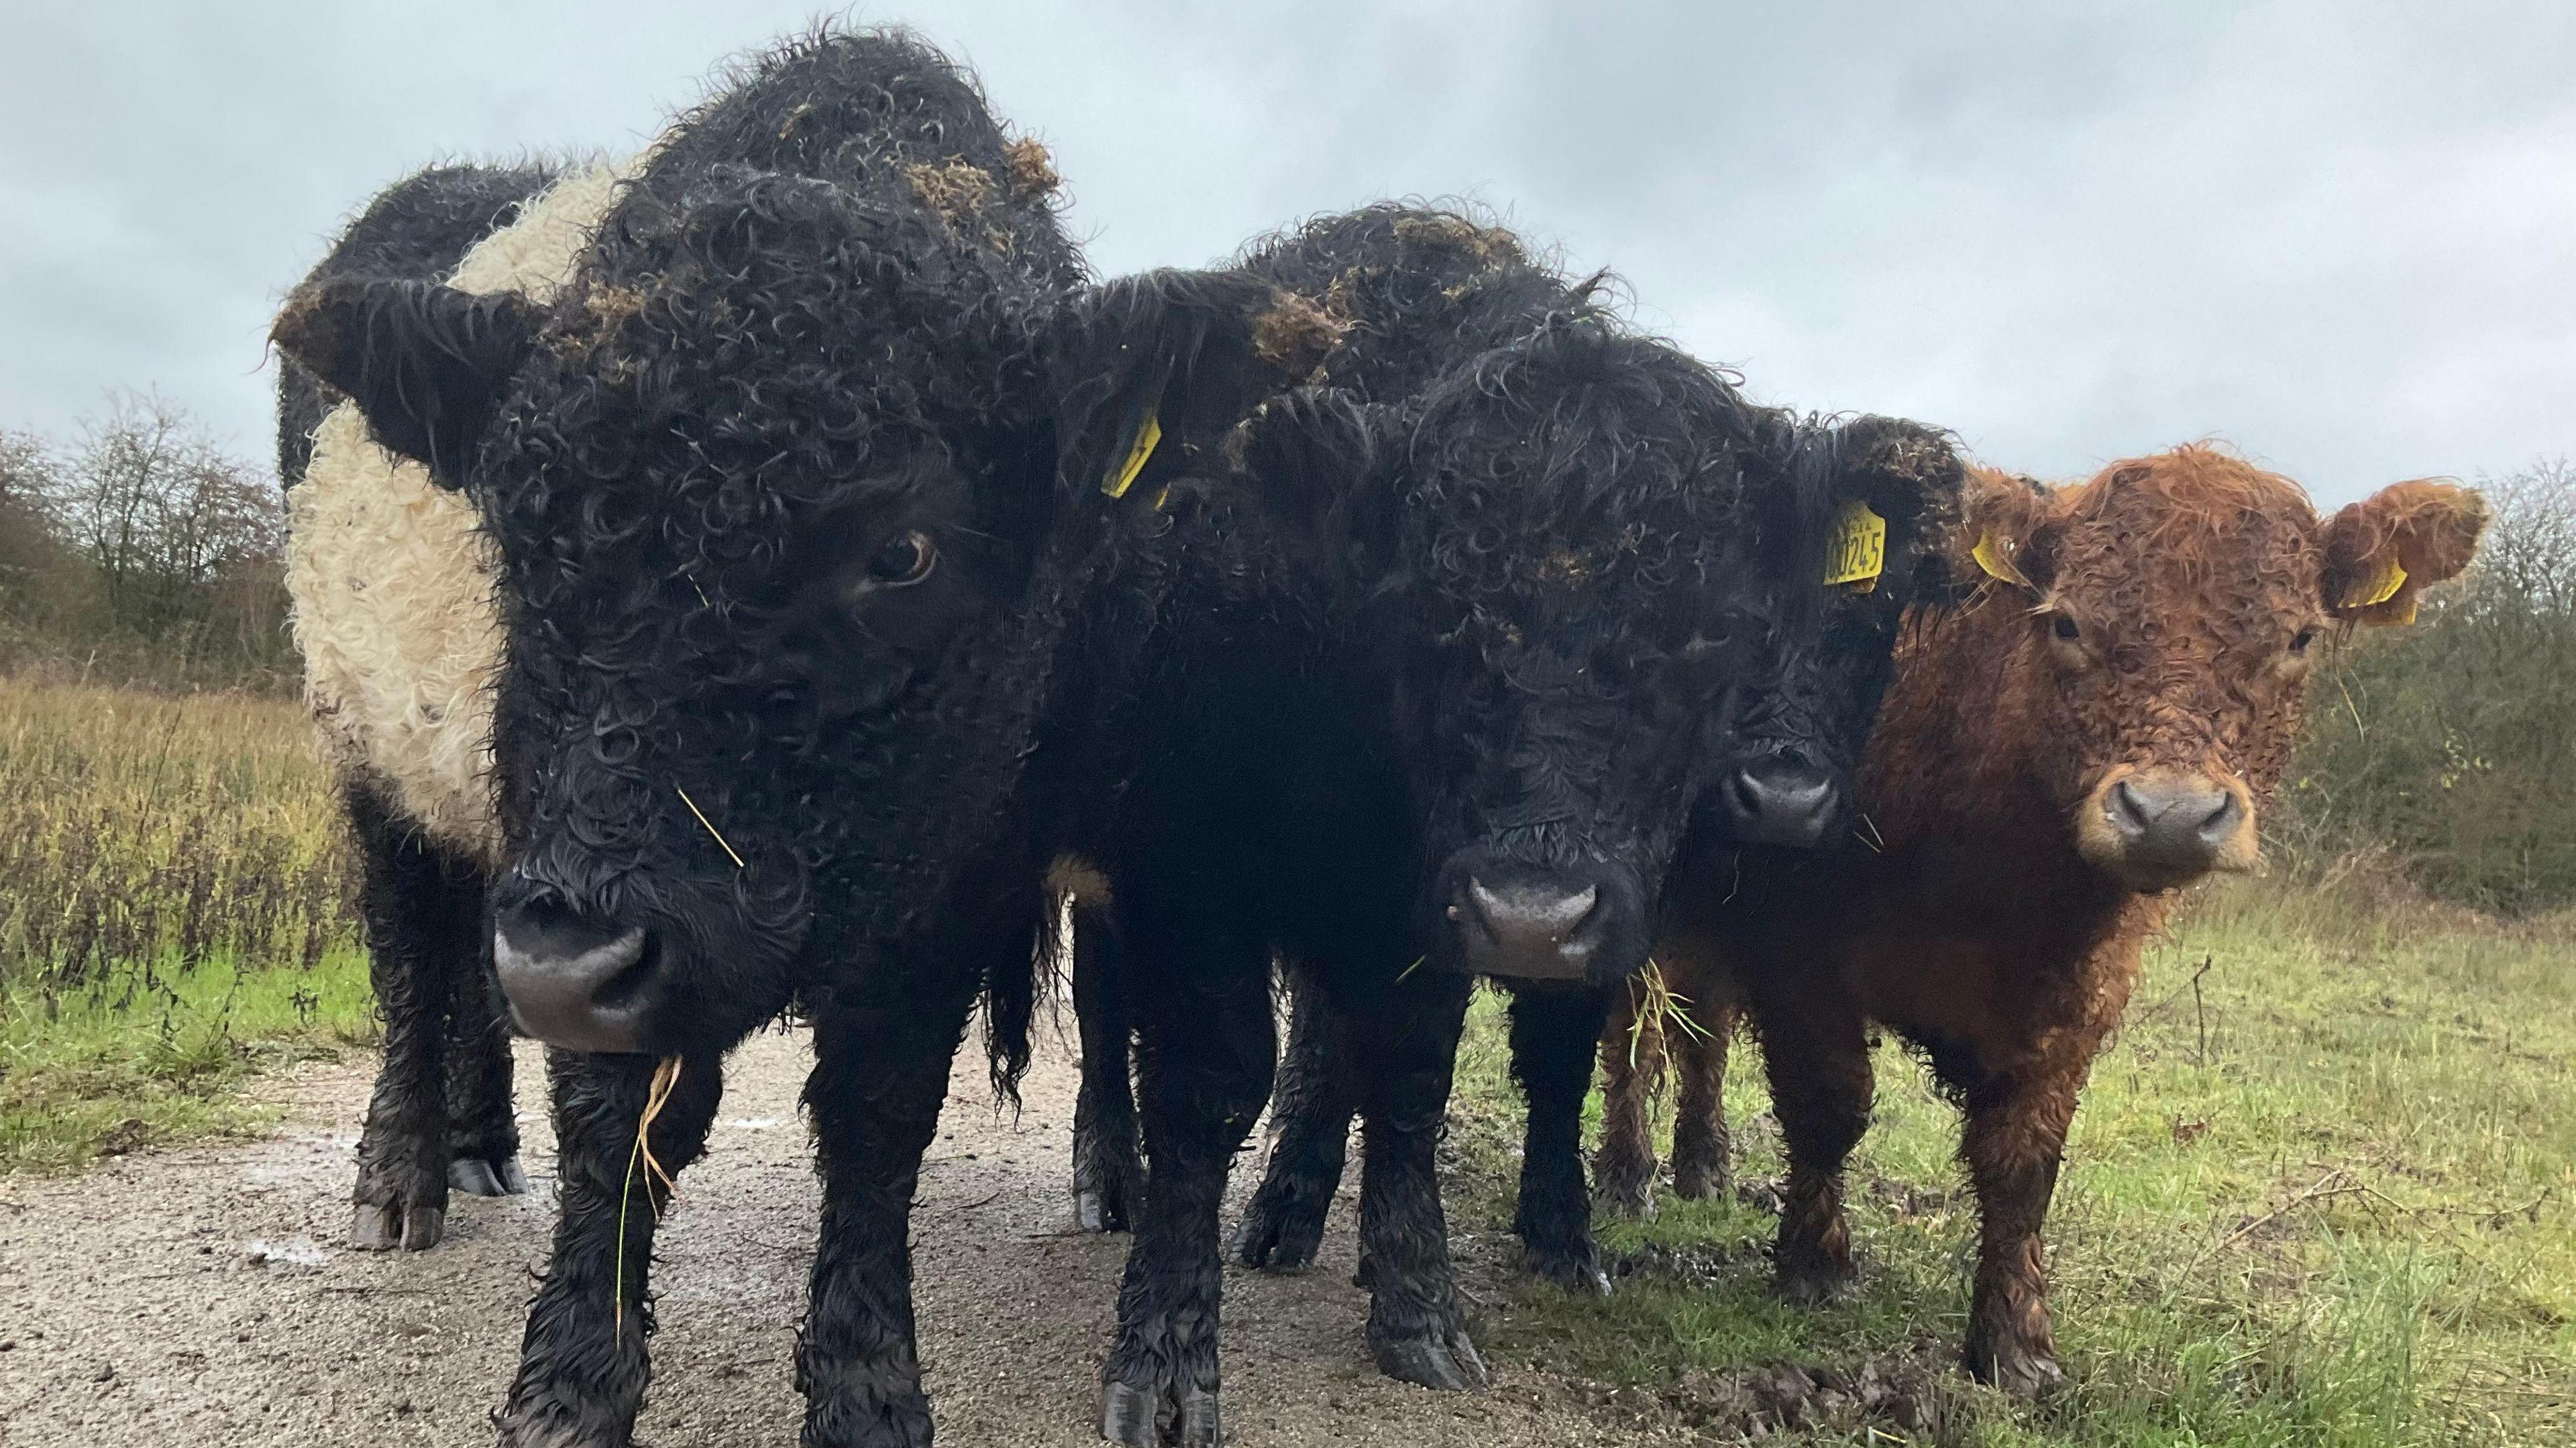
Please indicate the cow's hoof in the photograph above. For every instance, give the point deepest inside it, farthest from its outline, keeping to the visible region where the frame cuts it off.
(1572, 1266)
(1577, 1271)
(1280, 1233)
(476, 1177)
(1631, 1199)
(1108, 1188)
(383, 1228)
(1446, 1362)
(1146, 1416)
(2024, 1372)
(1581, 1281)
(1105, 1209)
(1702, 1186)
(1813, 1284)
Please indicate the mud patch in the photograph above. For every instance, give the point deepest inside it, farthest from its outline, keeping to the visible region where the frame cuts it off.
(1033, 173)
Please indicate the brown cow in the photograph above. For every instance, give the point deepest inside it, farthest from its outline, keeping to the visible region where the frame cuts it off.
(2099, 725)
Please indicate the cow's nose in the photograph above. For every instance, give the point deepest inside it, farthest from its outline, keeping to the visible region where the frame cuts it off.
(1779, 802)
(576, 982)
(1531, 930)
(2172, 827)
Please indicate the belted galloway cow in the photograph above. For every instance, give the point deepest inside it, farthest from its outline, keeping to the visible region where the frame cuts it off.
(758, 491)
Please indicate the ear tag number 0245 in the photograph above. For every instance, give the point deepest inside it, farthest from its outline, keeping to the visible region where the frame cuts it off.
(1856, 550)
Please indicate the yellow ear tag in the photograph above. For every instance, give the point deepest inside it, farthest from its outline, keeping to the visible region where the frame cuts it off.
(1856, 551)
(2382, 587)
(1120, 479)
(1989, 554)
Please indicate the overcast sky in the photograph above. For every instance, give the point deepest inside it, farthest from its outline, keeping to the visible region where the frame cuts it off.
(2341, 234)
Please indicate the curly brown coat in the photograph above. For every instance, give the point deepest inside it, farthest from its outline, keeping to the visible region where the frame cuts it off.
(2143, 638)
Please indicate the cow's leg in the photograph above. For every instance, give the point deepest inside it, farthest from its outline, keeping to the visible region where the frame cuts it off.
(482, 1116)
(1406, 1043)
(1816, 1050)
(1555, 1035)
(418, 900)
(1310, 1132)
(2015, 1138)
(1206, 1048)
(582, 1362)
(1703, 1151)
(1108, 1176)
(1632, 1067)
(882, 1057)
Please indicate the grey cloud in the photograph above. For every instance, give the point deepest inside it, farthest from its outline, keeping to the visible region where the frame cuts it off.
(2337, 234)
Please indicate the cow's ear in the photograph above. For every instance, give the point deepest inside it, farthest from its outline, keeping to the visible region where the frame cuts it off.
(1908, 477)
(2005, 536)
(1314, 454)
(426, 364)
(2384, 551)
(1153, 373)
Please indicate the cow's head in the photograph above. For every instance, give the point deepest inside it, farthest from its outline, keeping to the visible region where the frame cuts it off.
(1801, 706)
(2171, 611)
(793, 493)
(1594, 575)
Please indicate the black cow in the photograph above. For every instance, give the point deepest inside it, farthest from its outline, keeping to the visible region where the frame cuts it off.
(1532, 582)
(1795, 718)
(798, 489)
(442, 1111)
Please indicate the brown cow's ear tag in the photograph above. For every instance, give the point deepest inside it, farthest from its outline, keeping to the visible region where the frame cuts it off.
(1140, 451)
(1992, 556)
(1856, 551)
(2380, 587)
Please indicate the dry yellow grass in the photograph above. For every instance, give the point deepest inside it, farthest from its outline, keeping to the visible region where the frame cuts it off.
(176, 905)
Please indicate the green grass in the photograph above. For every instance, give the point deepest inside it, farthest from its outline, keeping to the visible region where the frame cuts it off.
(2348, 1218)
(153, 1058)
(174, 914)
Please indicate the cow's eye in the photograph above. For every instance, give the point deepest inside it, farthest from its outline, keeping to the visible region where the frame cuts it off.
(2305, 637)
(906, 559)
(2065, 627)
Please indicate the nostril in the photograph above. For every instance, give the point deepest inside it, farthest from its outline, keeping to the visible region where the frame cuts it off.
(1579, 910)
(625, 983)
(1481, 903)
(1744, 795)
(2218, 823)
(2129, 811)
(1520, 911)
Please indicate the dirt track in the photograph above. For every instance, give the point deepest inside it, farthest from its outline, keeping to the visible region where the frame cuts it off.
(205, 1296)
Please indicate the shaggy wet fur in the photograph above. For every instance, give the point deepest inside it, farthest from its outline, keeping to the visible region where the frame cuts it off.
(419, 805)
(2165, 618)
(1516, 559)
(798, 493)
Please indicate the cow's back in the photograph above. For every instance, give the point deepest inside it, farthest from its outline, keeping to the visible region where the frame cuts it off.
(1424, 291)
(392, 580)
(886, 118)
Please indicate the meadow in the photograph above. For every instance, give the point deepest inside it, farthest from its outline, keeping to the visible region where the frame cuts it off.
(176, 913)
(2322, 1190)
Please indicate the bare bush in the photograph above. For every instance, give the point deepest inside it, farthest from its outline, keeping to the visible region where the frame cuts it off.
(143, 547)
(2452, 745)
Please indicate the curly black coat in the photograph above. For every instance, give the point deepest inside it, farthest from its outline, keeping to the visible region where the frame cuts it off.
(1533, 586)
(798, 491)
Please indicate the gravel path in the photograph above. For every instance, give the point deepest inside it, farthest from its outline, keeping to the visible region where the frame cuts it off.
(204, 1296)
